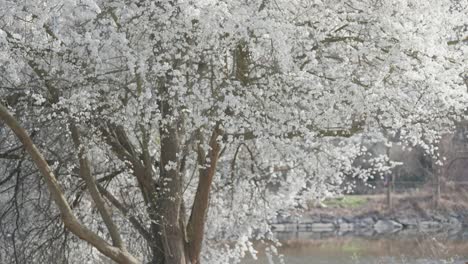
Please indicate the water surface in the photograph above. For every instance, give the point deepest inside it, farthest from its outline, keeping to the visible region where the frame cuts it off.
(402, 248)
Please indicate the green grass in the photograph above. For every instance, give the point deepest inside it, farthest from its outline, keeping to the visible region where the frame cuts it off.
(352, 248)
(347, 201)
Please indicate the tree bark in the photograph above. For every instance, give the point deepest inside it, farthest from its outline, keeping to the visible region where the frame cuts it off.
(196, 224)
(169, 200)
(168, 234)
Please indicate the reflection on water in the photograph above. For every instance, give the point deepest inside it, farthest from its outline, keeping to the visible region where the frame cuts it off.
(352, 260)
(390, 249)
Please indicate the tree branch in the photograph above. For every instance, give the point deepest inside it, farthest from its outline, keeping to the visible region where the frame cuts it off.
(133, 220)
(85, 173)
(68, 218)
(195, 226)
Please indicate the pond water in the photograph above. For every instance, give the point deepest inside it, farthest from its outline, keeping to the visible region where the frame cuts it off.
(416, 248)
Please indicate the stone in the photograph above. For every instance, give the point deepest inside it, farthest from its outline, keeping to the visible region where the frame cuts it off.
(439, 218)
(387, 226)
(428, 226)
(408, 222)
(365, 232)
(453, 225)
(409, 233)
(367, 222)
(342, 220)
(285, 227)
(322, 227)
(326, 218)
(346, 227)
(454, 222)
(307, 219)
(455, 215)
(304, 227)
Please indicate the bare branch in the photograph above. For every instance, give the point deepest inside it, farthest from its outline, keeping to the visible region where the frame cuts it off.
(68, 218)
(133, 220)
(85, 173)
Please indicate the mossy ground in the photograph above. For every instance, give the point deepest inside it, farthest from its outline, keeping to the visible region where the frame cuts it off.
(347, 201)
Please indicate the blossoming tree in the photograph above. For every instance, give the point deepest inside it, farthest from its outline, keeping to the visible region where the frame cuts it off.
(183, 124)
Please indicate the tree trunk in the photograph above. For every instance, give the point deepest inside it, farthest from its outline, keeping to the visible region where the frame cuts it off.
(169, 236)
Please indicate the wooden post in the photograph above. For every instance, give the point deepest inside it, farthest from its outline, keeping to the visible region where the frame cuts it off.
(437, 175)
(389, 190)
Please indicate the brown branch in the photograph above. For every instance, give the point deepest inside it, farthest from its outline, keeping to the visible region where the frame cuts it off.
(9, 156)
(356, 127)
(341, 39)
(116, 147)
(82, 188)
(236, 153)
(457, 41)
(196, 224)
(85, 173)
(133, 220)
